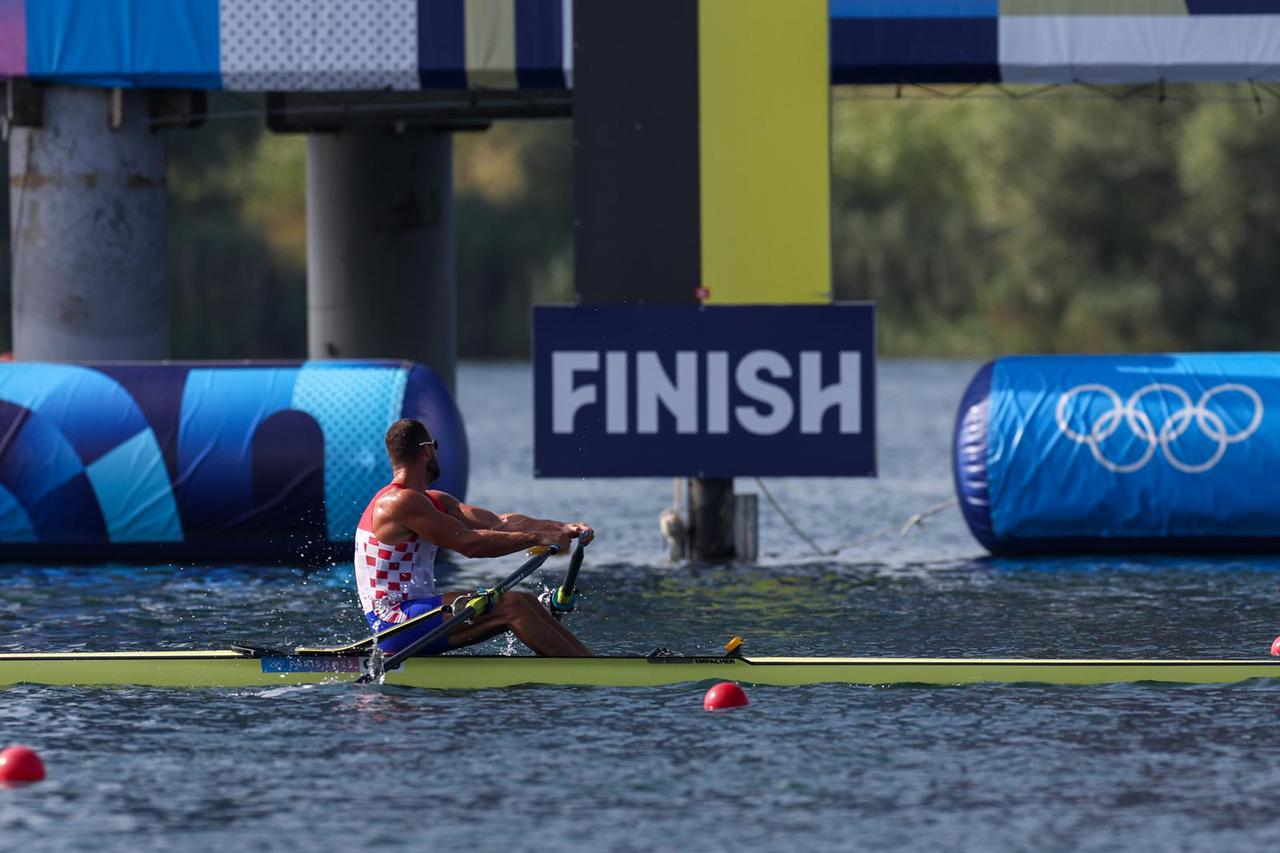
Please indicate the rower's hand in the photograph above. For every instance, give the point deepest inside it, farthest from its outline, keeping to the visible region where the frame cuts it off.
(581, 532)
(560, 540)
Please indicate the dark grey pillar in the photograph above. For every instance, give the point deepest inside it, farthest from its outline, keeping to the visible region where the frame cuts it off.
(637, 222)
(87, 213)
(636, 161)
(380, 255)
(710, 518)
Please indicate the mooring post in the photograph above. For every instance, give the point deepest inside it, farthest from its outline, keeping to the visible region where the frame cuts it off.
(746, 527)
(710, 518)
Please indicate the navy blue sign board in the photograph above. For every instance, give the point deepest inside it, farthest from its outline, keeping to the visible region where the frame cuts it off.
(698, 391)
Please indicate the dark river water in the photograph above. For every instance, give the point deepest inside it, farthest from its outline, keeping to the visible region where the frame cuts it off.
(339, 767)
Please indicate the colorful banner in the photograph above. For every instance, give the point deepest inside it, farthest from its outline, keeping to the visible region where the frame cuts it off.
(336, 45)
(290, 45)
(190, 460)
(1054, 41)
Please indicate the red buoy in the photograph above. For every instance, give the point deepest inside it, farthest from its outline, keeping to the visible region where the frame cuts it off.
(724, 695)
(1275, 646)
(20, 764)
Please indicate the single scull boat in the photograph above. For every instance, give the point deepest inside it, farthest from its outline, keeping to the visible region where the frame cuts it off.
(247, 667)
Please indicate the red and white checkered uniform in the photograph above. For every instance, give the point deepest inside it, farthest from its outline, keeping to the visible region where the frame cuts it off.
(387, 575)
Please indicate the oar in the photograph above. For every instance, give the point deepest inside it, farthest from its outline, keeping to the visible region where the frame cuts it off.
(478, 605)
(368, 642)
(564, 598)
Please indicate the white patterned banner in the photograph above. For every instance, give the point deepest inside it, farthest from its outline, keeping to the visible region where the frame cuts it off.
(318, 45)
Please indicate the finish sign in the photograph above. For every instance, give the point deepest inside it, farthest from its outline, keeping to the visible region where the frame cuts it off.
(673, 390)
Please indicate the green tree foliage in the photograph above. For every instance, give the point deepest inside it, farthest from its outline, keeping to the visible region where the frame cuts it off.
(1222, 287)
(979, 226)
(235, 293)
(986, 227)
(905, 229)
(514, 221)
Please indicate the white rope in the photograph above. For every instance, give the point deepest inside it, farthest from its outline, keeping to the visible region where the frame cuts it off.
(913, 520)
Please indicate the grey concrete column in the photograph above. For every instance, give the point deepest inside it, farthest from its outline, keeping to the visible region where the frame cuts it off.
(380, 253)
(87, 214)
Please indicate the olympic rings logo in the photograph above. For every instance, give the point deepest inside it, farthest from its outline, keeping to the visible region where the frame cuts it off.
(1141, 425)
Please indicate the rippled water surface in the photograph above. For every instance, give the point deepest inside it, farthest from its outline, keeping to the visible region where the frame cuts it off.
(338, 767)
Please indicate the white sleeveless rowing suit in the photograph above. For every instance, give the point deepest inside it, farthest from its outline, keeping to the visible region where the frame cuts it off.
(392, 579)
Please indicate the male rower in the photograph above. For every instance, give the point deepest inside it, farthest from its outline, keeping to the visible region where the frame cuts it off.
(396, 543)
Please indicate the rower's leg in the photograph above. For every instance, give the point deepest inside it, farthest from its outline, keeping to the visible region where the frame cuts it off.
(523, 615)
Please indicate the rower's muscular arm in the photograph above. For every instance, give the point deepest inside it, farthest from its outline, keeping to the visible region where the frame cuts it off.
(479, 518)
(407, 510)
(475, 517)
(573, 529)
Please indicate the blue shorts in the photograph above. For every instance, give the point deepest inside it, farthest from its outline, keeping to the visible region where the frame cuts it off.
(413, 607)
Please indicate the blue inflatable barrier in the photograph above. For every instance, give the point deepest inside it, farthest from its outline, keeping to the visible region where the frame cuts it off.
(203, 460)
(1077, 454)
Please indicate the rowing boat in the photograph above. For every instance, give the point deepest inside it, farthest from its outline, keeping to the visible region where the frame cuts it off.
(250, 667)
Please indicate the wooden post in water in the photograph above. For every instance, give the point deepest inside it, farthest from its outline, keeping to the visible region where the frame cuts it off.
(711, 519)
(746, 527)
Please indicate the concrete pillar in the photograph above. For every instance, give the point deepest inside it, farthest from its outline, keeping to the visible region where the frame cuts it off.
(87, 214)
(380, 253)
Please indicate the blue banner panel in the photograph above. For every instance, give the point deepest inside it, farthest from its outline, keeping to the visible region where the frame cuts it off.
(540, 44)
(442, 39)
(914, 9)
(914, 50)
(1119, 453)
(1233, 7)
(675, 390)
(142, 44)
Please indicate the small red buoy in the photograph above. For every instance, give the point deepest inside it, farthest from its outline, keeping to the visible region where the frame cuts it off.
(724, 695)
(1275, 646)
(20, 764)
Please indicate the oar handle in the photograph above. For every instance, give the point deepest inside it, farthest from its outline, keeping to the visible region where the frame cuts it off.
(477, 605)
(564, 597)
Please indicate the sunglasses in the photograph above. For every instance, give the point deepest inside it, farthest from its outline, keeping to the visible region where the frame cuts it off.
(431, 442)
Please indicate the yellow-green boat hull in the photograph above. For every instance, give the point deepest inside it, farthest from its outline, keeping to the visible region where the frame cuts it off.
(233, 668)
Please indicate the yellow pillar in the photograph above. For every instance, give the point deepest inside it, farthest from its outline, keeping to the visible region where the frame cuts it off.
(765, 151)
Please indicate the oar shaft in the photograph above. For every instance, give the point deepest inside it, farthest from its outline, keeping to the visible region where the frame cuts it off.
(469, 612)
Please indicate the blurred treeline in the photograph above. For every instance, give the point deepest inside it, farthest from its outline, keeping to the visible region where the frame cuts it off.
(979, 226)
(238, 253)
(1082, 225)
